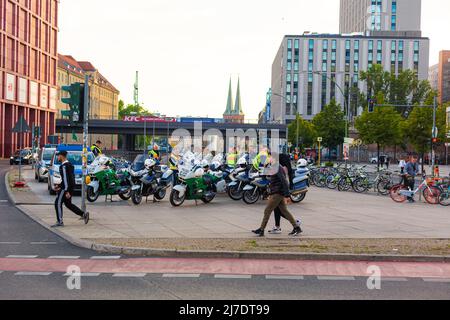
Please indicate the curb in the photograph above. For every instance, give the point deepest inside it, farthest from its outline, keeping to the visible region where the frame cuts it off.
(174, 253)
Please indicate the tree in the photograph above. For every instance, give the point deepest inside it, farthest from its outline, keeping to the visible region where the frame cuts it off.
(330, 125)
(419, 126)
(378, 81)
(382, 127)
(306, 132)
(130, 109)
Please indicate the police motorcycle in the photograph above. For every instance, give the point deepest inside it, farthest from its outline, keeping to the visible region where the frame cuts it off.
(149, 179)
(257, 188)
(195, 181)
(239, 179)
(104, 179)
(301, 182)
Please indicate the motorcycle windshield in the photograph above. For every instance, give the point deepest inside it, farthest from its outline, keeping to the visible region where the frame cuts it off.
(138, 163)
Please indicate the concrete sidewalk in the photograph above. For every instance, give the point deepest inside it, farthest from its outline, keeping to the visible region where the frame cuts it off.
(325, 214)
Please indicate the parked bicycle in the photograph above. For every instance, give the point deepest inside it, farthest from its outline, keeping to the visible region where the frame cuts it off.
(431, 193)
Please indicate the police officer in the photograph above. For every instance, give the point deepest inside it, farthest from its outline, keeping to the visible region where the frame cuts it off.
(232, 158)
(154, 153)
(65, 191)
(97, 148)
(262, 159)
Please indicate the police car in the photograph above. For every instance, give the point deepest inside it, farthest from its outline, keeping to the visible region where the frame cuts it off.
(75, 157)
(43, 162)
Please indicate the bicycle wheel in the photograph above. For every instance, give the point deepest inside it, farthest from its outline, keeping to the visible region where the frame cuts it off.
(395, 193)
(332, 182)
(344, 184)
(444, 199)
(319, 180)
(361, 185)
(383, 187)
(432, 195)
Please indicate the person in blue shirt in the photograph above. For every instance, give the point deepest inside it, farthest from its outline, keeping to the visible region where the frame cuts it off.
(411, 171)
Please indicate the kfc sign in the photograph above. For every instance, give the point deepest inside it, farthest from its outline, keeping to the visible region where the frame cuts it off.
(139, 119)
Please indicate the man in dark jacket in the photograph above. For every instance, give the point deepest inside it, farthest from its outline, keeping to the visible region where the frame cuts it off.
(65, 191)
(279, 192)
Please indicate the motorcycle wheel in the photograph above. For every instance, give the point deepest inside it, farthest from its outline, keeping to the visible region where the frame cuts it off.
(250, 197)
(298, 198)
(207, 200)
(136, 197)
(175, 199)
(160, 195)
(92, 196)
(126, 196)
(235, 193)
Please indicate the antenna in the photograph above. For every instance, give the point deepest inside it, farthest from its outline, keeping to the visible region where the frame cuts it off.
(136, 90)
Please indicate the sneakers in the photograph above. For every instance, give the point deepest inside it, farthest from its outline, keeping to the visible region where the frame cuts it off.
(86, 218)
(296, 232)
(275, 230)
(58, 225)
(259, 232)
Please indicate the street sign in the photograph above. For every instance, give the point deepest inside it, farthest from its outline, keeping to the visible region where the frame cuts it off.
(349, 140)
(21, 126)
(435, 132)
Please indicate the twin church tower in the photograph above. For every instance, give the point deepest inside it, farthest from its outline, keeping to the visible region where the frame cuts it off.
(234, 112)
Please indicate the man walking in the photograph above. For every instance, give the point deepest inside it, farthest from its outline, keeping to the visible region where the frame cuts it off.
(279, 192)
(65, 191)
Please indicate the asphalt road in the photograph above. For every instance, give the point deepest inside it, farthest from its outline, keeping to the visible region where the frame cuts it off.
(22, 238)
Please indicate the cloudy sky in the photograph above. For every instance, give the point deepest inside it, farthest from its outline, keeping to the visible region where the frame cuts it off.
(186, 50)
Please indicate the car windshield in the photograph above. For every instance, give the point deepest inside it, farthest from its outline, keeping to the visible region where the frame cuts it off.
(76, 159)
(48, 154)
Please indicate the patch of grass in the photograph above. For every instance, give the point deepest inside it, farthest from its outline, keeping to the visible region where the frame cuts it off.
(253, 244)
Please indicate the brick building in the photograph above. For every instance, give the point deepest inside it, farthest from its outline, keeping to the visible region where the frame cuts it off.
(28, 63)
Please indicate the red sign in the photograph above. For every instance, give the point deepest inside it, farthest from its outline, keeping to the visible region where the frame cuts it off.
(148, 119)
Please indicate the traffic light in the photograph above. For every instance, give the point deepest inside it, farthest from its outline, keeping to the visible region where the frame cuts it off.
(435, 140)
(371, 105)
(75, 102)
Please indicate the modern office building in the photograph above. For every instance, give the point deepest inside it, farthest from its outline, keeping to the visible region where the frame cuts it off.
(439, 76)
(312, 69)
(380, 16)
(104, 97)
(28, 63)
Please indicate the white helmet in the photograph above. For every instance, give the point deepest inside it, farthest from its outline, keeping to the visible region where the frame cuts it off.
(242, 161)
(199, 173)
(204, 163)
(149, 163)
(103, 161)
(302, 163)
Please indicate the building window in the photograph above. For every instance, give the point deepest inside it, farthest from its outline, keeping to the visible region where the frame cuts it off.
(289, 44)
(416, 56)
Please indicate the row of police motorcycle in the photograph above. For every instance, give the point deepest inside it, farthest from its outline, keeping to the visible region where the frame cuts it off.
(198, 178)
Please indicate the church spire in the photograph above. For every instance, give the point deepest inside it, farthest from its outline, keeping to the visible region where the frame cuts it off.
(238, 105)
(229, 109)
